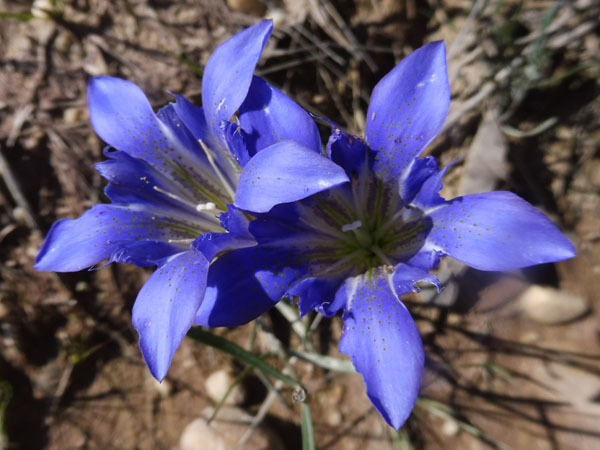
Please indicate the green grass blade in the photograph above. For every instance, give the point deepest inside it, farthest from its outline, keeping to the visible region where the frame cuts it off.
(308, 433)
(239, 353)
(24, 16)
(325, 362)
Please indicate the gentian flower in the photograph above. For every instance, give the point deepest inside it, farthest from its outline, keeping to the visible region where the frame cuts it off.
(355, 229)
(171, 179)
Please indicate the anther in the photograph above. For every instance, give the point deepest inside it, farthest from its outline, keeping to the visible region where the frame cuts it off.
(208, 206)
(351, 226)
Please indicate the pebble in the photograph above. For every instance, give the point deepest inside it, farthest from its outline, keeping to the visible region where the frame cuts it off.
(217, 385)
(551, 306)
(450, 427)
(225, 431)
(161, 388)
(199, 435)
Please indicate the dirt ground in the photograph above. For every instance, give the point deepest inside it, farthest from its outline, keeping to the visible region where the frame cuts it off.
(507, 366)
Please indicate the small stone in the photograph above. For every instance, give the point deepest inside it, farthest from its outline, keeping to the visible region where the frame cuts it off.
(450, 427)
(551, 306)
(42, 9)
(162, 388)
(225, 432)
(278, 16)
(82, 286)
(334, 418)
(233, 422)
(73, 115)
(217, 385)
(199, 435)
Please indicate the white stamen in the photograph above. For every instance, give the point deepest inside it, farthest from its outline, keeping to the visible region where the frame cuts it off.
(213, 164)
(174, 196)
(208, 206)
(352, 226)
(180, 241)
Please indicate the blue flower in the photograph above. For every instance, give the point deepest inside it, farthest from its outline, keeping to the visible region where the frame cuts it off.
(356, 229)
(171, 180)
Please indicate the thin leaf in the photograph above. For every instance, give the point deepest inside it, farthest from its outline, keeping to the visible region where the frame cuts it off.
(325, 362)
(239, 353)
(24, 16)
(308, 432)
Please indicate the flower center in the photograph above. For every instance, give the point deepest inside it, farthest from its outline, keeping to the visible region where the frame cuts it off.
(362, 226)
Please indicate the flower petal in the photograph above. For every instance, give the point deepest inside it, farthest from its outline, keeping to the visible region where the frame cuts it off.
(165, 308)
(238, 236)
(408, 108)
(132, 181)
(236, 142)
(228, 73)
(107, 232)
(405, 276)
(347, 151)
(412, 180)
(193, 118)
(428, 195)
(314, 292)
(123, 118)
(269, 116)
(496, 231)
(243, 284)
(285, 172)
(384, 345)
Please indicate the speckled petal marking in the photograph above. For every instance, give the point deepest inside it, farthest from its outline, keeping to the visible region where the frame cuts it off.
(383, 342)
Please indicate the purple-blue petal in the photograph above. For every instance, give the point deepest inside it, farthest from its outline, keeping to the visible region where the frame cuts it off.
(193, 118)
(408, 108)
(269, 116)
(238, 235)
(383, 342)
(166, 306)
(212, 244)
(132, 181)
(428, 195)
(236, 138)
(228, 73)
(496, 231)
(282, 173)
(243, 284)
(122, 116)
(347, 151)
(425, 259)
(412, 179)
(314, 292)
(235, 221)
(182, 140)
(106, 232)
(405, 276)
(343, 297)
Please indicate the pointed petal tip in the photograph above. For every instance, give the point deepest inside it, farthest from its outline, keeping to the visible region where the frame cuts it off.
(165, 308)
(105, 84)
(382, 349)
(285, 172)
(501, 232)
